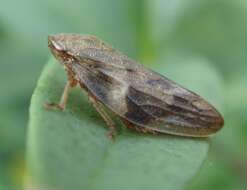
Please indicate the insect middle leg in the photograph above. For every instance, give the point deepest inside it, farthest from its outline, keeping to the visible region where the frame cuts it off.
(99, 108)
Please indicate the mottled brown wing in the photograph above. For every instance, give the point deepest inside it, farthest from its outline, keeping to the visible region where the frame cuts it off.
(143, 97)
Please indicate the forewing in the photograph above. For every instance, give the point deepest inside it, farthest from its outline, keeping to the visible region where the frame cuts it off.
(178, 117)
(144, 97)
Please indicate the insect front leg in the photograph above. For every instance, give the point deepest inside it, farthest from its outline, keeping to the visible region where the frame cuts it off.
(99, 108)
(63, 100)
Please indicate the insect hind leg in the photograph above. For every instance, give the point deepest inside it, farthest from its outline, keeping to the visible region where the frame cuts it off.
(138, 129)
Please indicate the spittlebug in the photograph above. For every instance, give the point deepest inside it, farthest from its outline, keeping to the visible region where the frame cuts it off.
(143, 99)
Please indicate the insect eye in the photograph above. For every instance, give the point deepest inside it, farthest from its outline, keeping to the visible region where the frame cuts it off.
(66, 56)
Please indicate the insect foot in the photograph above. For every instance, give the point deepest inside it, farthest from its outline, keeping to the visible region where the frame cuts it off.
(111, 134)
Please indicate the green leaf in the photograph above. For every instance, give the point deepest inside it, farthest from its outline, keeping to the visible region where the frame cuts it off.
(70, 150)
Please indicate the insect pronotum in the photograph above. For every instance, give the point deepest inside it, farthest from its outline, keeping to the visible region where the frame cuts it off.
(144, 100)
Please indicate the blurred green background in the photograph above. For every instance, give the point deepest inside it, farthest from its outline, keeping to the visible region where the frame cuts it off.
(146, 30)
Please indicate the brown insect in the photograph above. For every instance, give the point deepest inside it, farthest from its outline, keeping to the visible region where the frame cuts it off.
(142, 98)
